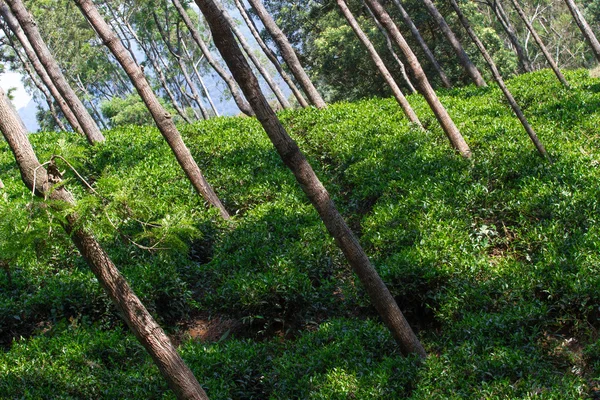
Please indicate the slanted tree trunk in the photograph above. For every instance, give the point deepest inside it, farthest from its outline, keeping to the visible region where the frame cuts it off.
(408, 111)
(312, 187)
(584, 27)
(498, 78)
(190, 59)
(540, 43)
(144, 327)
(421, 81)
(270, 55)
(417, 35)
(524, 62)
(14, 26)
(233, 87)
(161, 116)
(388, 43)
(463, 58)
(288, 54)
(89, 127)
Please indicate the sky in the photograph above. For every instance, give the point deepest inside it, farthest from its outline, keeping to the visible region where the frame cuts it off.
(10, 80)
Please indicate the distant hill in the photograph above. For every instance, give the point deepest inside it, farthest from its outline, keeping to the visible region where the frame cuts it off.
(27, 114)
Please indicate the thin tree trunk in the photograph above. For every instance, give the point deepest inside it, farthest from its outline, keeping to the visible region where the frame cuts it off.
(540, 43)
(288, 54)
(1, 184)
(147, 331)
(408, 111)
(417, 35)
(584, 27)
(89, 127)
(162, 118)
(270, 55)
(199, 77)
(388, 43)
(312, 187)
(498, 78)
(421, 81)
(14, 26)
(524, 62)
(233, 87)
(463, 58)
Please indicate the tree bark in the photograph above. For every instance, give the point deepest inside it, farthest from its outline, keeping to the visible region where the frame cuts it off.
(524, 62)
(161, 116)
(540, 43)
(89, 127)
(408, 111)
(421, 81)
(270, 55)
(463, 58)
(312, 187)
(584, 27)
(233, 87)
(147, 331)
(498, 78)
(288, 54)
(14, 26)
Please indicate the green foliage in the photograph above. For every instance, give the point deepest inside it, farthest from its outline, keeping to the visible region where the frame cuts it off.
(494, 260)
(130, 110)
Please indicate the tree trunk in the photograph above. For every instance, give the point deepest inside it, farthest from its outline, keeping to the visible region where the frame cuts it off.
(463, 58)
(14, 26)
(89, 127)
(161, 116)
(584, 27)
(312, 187)
(147, 331)
(524, 62)
(388, 43)
(270, 55)
(540, 43)
(421, 80)
(498, 78)
(417, 35)
(288, 54)
(408, 111)
(233, 87)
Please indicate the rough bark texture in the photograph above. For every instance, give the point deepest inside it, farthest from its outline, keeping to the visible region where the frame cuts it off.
(147, 331)
(524, 61)
(463, 58)
(14, 26)
(163, 119)
(233, 87)
(421, 81)
(288, 54)
(408, 111)
(540, 43)
(584, 27)
(312, 187)
(89, 127)
(270, 55)
(498, 78)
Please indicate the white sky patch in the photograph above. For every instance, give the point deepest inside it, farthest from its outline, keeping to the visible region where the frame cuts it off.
(10, 80)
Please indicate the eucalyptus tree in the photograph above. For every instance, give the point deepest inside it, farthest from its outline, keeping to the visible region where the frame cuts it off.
(48, 184)
(162, 118)
(584, 27)
(294, 159)
(86, 122)
(498, 78)
(408, 110)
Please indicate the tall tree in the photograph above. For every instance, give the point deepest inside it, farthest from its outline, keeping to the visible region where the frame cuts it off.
(288, 54)
(540, 43)
(87, 123)
(408, 111)
(584, 27)
(48, 184)
(421, 81)
(463, 58)
(294, 159)
(498, 78)
(162, 118)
